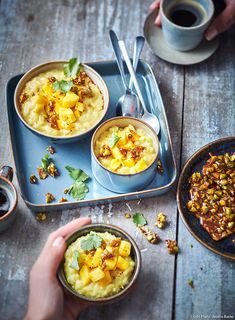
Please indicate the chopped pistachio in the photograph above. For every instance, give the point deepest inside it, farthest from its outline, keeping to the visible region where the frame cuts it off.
(42, 173)
(161, 220)
(160, 167)
(66, 190)
(151, 236)
(49, 197)
(33, 179)
(172, 246)
(51, 150)
(190, 283)
(41, 216)
(52, 170)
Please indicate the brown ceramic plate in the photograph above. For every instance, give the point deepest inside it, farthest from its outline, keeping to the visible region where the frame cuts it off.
(224, 247)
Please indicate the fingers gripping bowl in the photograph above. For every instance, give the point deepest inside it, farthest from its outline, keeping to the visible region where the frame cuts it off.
(60, 104)
(101, 263)
(124, 154)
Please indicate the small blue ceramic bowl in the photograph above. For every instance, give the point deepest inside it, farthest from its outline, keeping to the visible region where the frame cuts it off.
(123, 183)
(59, 65)
(185, 38)
(6, 176)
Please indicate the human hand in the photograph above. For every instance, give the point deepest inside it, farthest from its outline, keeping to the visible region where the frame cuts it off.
(223, 21)
(218, 25)
(47, 300)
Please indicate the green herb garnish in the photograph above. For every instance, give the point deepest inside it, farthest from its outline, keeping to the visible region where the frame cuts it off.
(62, 85)
(45, 161)
(72, 68)
(113, 140)
(93, 241)
(77, 174)
(139, 219)
(74, 264)
(79, 188)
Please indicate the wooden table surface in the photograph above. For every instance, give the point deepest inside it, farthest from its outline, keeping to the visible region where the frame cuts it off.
(199, 102)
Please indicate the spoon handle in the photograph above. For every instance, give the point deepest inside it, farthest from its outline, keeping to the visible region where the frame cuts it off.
(138, 47)
(132, 73)
(114, 40)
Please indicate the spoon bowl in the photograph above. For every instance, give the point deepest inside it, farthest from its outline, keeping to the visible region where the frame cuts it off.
(128, 104)
(148, 117)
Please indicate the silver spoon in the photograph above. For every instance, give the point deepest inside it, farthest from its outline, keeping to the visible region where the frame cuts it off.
(138, 47)
(129, 101)
(148, 117)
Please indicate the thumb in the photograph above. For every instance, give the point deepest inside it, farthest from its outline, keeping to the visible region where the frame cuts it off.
(50, 258)
(221, 23)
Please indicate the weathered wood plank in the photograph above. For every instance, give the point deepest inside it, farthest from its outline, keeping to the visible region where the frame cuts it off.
(208, 115)
(31, 33)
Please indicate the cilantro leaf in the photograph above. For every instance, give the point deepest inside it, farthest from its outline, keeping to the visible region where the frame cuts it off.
(77, 174)
(45, 161)
(113, 140)
(74, 264)
(139, 219)
(62, 85)
(78, 190)
(72, 68)
(93, 241)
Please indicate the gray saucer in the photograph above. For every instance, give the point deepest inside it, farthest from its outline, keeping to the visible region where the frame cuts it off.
(160, 47)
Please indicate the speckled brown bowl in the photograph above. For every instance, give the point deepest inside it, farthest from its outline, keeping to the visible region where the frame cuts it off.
(135, 254)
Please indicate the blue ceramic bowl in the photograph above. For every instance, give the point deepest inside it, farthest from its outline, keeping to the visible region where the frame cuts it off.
(123, 183)
(135, 254)
(95, 77)
(183, 38)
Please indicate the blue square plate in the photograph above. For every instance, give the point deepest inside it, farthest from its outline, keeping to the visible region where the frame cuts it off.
(29, 148)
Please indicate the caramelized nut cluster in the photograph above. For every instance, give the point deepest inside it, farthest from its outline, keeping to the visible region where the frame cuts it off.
(212, 195)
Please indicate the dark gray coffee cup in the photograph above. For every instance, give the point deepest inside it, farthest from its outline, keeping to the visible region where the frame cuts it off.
(185, 38)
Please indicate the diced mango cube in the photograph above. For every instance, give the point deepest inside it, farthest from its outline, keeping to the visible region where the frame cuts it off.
(67, 115)
(122, 263)
(129, 145)
(85, 275)
(77, 114)
(70, 100)
(97, 274)
(82, 258)
(110, 264)
(115, 164)
(58, 105)
(122, 135)
(61, 124)
(47, 89)
(40, 103)
(116, 153)
(106, 280)
(96, 260)
(88, 260)
(141, 165)
(125, 248)
(79, 106)
(129, 162)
